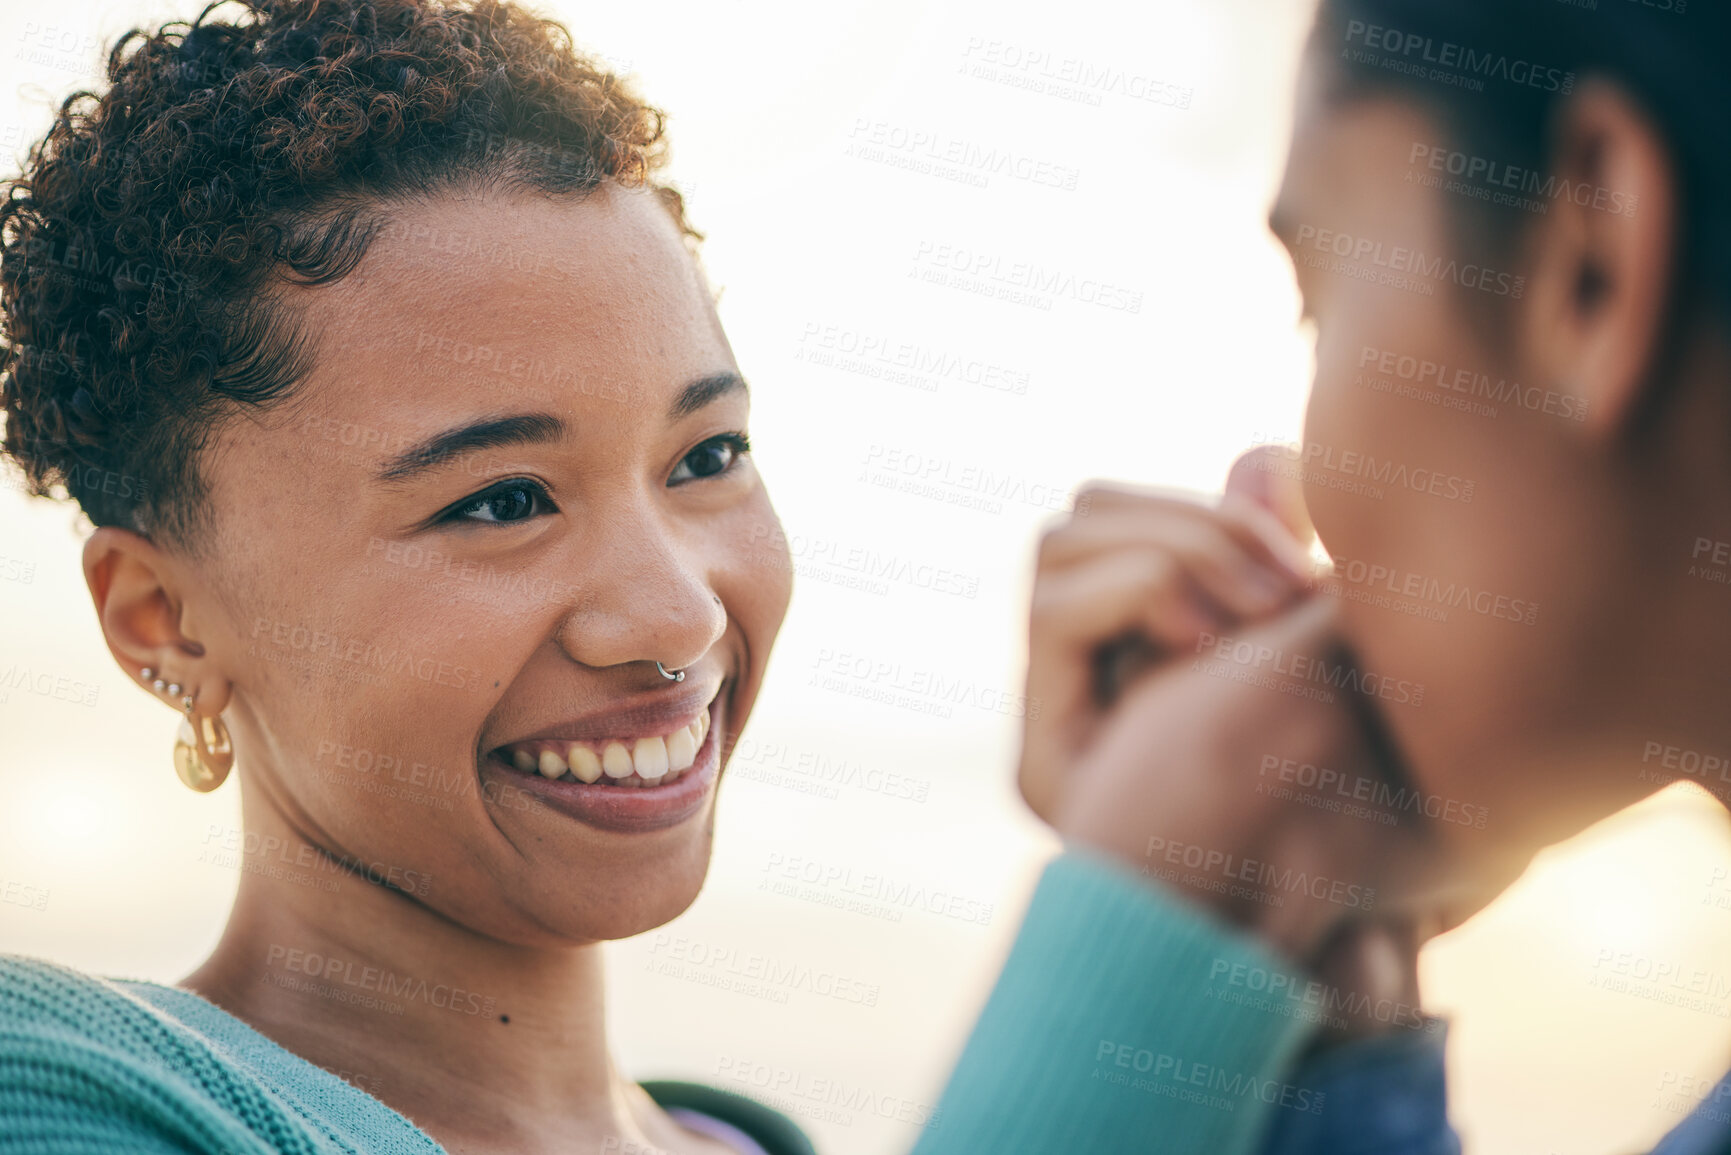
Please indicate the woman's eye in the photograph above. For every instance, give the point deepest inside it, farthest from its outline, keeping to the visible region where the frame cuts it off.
(513, 501)
(713, 457)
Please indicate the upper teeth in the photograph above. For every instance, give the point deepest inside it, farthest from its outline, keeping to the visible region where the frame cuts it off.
(623, 762)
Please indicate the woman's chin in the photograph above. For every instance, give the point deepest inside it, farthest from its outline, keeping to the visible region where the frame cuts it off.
(602, 910)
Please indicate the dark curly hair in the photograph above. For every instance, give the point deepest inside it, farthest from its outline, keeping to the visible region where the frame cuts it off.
(139, 246)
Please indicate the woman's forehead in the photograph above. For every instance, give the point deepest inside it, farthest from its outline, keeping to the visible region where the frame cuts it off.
(478, 293)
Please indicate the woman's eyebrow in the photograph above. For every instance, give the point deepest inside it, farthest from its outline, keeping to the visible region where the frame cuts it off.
(489, 433)
(530, 429)
(704, 390)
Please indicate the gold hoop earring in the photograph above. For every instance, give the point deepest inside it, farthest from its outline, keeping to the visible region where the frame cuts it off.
(203, 753)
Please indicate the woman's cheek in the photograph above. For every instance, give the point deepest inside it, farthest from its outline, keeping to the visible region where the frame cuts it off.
(1339, 516)
(760, 569)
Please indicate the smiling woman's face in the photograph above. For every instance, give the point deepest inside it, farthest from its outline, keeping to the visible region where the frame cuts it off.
(408, 624)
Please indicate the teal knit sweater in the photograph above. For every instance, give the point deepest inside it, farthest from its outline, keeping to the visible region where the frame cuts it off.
(1104, 1033)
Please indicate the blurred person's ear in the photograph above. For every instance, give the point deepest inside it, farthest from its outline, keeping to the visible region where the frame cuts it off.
(1603, 257)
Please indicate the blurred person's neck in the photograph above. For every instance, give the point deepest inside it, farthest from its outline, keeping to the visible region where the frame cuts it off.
(1623, 685)
(1670, 680)
(1652, 689)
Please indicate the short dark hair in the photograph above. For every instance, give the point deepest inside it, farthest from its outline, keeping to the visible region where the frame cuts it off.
(1494, 71)
(140, 242)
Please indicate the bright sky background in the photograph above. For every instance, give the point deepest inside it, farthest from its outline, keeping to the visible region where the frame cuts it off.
(818, 244)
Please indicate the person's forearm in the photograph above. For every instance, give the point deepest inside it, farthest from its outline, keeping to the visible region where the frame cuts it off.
(1114, 1026)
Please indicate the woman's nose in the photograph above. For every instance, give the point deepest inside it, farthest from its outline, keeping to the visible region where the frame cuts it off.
(645, 595)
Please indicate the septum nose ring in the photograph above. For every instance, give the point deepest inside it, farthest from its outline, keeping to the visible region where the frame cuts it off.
(674, 676)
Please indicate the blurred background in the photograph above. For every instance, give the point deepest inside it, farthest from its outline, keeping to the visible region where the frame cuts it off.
(970, 255)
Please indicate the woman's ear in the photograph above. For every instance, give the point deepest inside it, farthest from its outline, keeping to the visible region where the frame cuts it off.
(140, 608)
(1603, 256)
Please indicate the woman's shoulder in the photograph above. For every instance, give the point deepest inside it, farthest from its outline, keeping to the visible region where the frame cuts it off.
(47, 1008)
(40, 998)
(87, 1065)
(769, 1128)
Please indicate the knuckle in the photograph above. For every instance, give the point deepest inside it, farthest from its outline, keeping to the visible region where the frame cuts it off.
(1161, 568)
(1050, 542)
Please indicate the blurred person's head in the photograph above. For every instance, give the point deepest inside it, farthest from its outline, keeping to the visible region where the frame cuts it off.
(1511, 223)
(250, 291)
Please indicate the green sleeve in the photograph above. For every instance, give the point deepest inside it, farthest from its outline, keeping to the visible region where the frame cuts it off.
(1123, 1021)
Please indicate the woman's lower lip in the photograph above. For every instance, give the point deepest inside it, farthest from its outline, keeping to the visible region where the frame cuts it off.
(627, 809)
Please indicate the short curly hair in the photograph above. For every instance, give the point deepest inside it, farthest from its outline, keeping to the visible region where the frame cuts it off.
(140, 243)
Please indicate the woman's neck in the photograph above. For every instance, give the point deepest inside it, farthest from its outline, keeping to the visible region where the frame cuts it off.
(485, 1045)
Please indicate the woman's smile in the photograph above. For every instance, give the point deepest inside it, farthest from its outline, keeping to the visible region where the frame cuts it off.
(645, 765)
